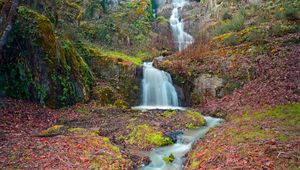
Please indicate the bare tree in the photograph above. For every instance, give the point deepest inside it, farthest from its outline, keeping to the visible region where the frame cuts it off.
(7, 18)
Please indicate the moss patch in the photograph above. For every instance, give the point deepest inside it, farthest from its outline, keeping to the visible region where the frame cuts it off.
(168, 113)
(169, 159)
(53, 131)
(145, 136)
(197, 120)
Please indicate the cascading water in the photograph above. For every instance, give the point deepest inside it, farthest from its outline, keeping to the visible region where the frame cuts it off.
(158, 91)
(180, 148)
(182, 38)
(112, 4)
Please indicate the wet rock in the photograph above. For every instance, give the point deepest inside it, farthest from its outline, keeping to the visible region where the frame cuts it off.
(174, 135)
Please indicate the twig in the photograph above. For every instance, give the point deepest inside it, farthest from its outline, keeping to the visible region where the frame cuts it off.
(279, 153)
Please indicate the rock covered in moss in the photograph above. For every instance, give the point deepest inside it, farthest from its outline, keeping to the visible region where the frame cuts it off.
(118, 69)
(146, 137)
(40, 66)
(53, 131)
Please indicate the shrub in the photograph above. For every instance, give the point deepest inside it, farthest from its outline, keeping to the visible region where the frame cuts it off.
(236, 24)
(256, 35)
(226, 15)
(231, 40)
(280, 29)
(291, 13)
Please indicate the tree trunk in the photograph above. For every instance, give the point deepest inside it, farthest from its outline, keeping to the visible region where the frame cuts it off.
(7, 19)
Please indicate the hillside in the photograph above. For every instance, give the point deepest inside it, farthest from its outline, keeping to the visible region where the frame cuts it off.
(119, 84)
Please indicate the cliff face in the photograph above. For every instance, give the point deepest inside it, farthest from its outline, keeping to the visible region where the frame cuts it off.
(39, 66)
(43, 57)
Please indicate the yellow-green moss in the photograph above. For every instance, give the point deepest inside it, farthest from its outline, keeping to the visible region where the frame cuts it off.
(197, 120)
(116, 55)
(121, 104)
(169, 159)
(169, 113)
(288, 115)
(250, 134)
(77, 7)
(46, 37)
(285, 115)
(82, 132)
(74, 130)
(52, 131)
(145, 136)
(105, 95)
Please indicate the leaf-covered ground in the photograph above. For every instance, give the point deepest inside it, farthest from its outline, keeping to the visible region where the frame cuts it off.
(265, 139)
(85, 136)
(20, 148)
(262, 128)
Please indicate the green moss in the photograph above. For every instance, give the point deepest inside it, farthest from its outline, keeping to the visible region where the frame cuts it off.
(197, 120)
(74, 130)
(285, 115)
(53, 131)
(289, 115)
(46, 60)
(122, 56)
(250, 134)
(121, 104)
(162, 20)
(283, 137)
(41, 26)
(169, 159)
(105, 95)
(106, 140)
(169, 113)
(145, 136)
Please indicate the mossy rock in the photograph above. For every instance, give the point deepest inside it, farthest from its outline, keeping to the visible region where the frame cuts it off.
(121, 104)
(104, 95)
(53, 131)
(169, 159)
(42, 59)
(119, 72)
(146, 137)
(196, 120)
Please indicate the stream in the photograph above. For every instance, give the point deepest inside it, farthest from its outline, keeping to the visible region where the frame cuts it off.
(180, 148)
(158, 92)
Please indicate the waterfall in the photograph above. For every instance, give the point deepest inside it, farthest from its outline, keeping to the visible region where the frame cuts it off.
(158, 91)
(113, 4)
(182, 38)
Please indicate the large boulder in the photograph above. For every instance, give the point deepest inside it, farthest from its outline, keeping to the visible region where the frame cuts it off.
(40, 66)
(206, 86)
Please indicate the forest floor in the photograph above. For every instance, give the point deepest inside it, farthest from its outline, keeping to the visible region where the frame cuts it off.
(84, 136)
(263, 139)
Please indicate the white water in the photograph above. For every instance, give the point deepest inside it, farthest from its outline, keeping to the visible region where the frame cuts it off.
(182, 38)
(158, 91)
(179, 149)
(113, 4)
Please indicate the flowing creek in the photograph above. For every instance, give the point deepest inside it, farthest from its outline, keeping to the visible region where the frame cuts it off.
(158, 92)
(180, 148)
